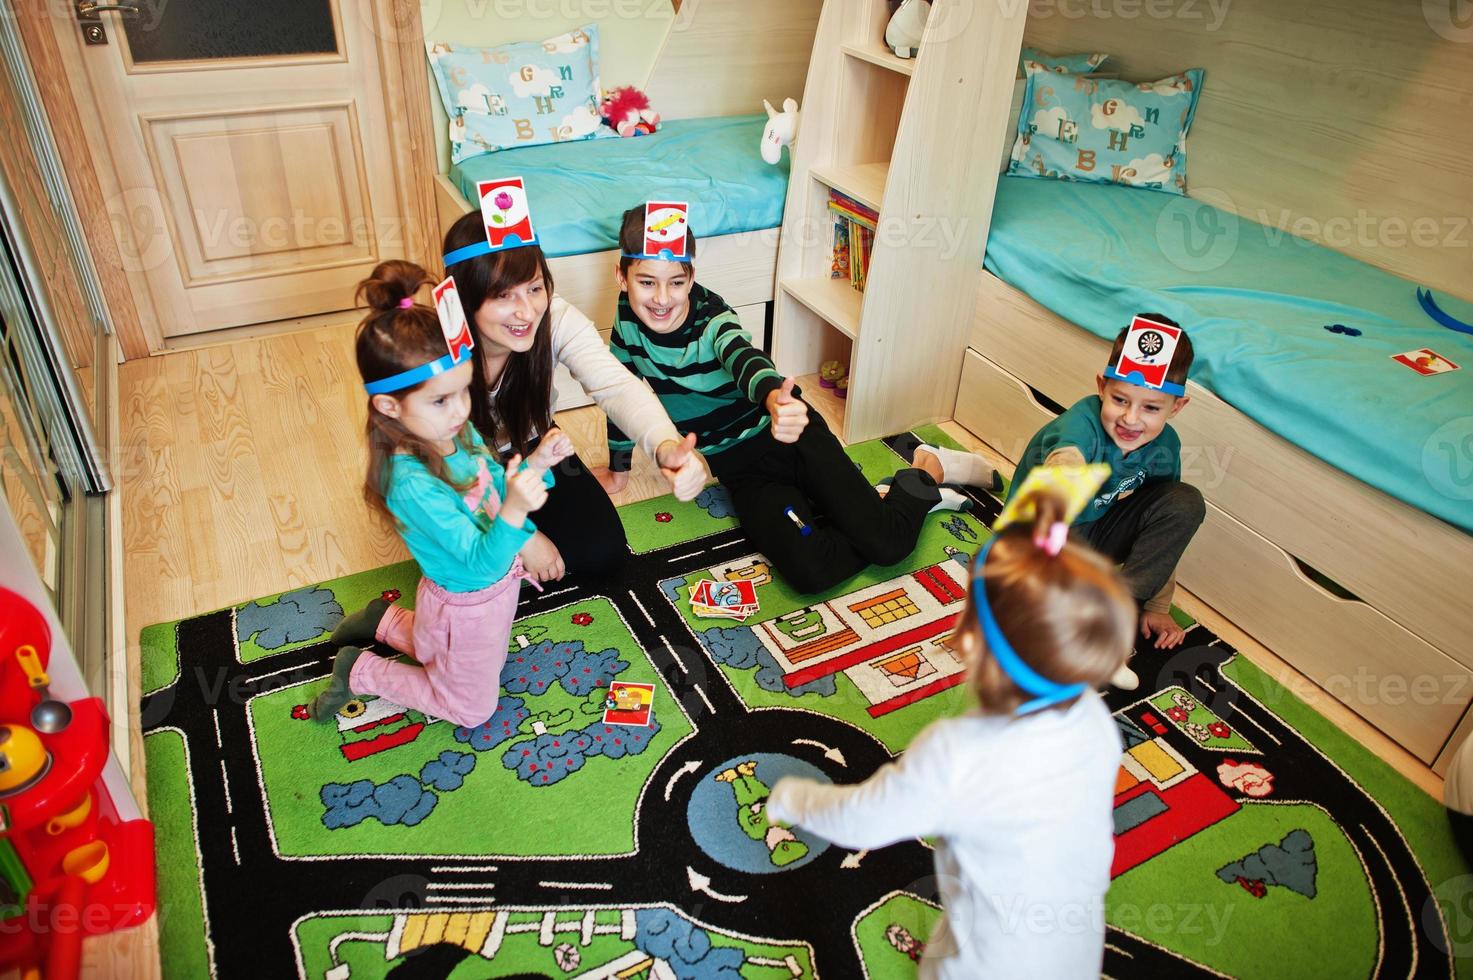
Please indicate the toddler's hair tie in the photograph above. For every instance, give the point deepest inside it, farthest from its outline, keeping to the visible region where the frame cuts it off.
(406, 302)
(1052, 541)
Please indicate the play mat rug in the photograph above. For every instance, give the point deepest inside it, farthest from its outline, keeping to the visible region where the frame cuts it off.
(555, 840)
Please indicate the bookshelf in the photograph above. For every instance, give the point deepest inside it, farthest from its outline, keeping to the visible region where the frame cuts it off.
(916, 140)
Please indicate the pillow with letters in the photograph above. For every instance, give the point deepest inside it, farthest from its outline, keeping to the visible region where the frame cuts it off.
(520, 94)
(1107, 131)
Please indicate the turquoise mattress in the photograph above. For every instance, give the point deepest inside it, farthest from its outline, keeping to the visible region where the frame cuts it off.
(579, 191)
(1256, 301)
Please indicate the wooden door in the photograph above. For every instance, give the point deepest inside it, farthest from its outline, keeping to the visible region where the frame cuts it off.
(248, 141)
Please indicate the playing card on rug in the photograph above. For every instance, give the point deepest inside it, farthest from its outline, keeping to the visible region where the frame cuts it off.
(629, 704)
(733, 594)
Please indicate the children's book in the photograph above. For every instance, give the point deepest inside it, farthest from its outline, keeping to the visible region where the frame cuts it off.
(839, 268)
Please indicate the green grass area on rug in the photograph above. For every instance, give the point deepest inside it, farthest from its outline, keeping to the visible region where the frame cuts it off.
(297, 794)
(1292, 935)
(182, 943)
(1422, 819)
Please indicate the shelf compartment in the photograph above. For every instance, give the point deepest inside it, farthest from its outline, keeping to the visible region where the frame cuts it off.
(877, 54)
(823, 400)
(835, 300)
(865, 182)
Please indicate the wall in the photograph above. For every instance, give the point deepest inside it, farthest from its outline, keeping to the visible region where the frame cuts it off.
(1347, 123)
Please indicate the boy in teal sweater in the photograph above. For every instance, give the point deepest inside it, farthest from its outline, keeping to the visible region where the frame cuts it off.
(1143, 516)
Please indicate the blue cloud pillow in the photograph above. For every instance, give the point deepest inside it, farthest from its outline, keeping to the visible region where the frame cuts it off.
(1101, 130)
(521, 94)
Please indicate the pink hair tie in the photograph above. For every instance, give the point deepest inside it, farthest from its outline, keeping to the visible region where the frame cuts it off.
(1052, 542)
(406, 302)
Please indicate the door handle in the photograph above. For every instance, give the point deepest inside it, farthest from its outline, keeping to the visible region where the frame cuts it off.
(92, 30)
(88, 9)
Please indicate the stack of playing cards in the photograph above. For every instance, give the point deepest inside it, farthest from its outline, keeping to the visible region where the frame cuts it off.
(723, 600)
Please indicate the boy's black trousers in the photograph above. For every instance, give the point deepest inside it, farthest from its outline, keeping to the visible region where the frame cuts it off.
(853, 527)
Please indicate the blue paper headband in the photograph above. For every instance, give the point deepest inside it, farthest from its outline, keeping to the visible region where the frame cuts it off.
(484, 247)
(1046, 693)
(1139, 380)
(665, 255)
(407, 379)
(1440, 316)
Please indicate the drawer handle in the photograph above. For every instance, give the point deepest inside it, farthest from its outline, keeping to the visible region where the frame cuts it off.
(1319, 580)
(1043, 401)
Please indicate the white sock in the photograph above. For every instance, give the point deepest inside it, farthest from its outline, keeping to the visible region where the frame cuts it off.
(1125, 679)
(967, 469)
(950, 499)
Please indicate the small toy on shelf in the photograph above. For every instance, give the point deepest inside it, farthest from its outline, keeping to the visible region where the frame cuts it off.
(830, 373)
(903, 33)
(841, 387)
(627, 111)
(781, 129)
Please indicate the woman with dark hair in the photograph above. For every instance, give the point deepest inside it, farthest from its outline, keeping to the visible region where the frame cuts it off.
(523, 331)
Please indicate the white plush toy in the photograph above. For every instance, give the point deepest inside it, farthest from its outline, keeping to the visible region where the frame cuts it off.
(903, 33)
(780, 131)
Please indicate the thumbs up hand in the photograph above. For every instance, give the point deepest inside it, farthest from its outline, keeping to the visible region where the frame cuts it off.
(682, 466)
(789, 415)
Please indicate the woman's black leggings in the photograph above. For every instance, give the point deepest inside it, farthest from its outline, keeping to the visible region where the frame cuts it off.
(581, 520)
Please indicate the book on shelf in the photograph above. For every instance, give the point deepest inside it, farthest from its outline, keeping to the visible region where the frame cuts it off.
(854, 236)
(839, 267)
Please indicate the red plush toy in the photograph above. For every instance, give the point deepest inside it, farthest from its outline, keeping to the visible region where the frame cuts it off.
(627, 111)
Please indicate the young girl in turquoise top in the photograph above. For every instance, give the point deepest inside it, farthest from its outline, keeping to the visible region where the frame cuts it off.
(462, 515)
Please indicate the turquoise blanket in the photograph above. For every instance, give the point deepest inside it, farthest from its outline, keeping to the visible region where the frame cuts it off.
(1256, 301)
(579, 191)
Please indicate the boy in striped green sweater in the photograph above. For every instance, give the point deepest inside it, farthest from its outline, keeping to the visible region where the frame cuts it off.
(801, 500)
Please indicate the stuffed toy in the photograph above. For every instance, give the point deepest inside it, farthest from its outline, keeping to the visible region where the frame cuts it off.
(627, 111)
(907, 24)
(780, 131)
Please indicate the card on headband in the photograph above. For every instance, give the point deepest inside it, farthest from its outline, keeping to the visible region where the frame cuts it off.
(666, 224)
(1074, 485)
(1146, 356)
(459, 342)
(505, 213)
(457, 330)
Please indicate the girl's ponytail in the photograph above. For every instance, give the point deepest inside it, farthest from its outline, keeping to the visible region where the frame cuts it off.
(1063, 610)
(389, 284)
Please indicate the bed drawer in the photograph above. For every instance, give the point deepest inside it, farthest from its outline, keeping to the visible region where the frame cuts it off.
(1398, 559)
(1394, 679)
(998, 408)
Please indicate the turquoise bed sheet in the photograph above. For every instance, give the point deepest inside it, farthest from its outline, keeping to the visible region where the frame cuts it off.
(579, 191)
(1255, 301)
